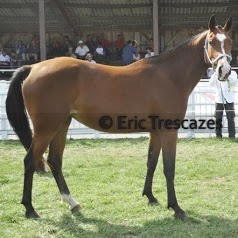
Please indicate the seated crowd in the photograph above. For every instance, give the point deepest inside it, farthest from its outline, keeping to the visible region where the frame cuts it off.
(21, 54)
(96, 51)
(101, 50)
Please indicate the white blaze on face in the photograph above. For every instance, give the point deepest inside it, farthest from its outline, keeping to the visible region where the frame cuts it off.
(223, 62)
(221, 37)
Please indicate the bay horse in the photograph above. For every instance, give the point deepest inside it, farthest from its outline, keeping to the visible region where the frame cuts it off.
(54, 91)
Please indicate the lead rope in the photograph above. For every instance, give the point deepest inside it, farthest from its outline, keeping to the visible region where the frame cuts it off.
(229, 88)
(223, 99)
(222, 94)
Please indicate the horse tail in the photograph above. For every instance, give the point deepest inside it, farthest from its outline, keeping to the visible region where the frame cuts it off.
(15, 108)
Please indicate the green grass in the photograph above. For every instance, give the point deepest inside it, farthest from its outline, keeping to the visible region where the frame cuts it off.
(107, 177)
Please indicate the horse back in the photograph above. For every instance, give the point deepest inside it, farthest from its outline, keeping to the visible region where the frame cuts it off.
(83, 89)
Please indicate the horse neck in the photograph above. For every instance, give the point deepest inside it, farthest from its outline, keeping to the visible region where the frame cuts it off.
(200, 67)
(189, 64)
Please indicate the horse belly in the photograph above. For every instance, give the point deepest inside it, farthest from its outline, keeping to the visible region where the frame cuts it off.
(129, 123)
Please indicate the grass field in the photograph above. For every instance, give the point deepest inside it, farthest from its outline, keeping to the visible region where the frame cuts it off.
(107, 177)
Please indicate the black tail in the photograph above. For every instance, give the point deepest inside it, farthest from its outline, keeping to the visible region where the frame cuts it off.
(15, 108)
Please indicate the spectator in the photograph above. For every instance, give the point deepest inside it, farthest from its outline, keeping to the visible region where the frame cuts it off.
(127, 54)
(150, 52)
(21, 51)
(71, 53)
(135, 44)
(56, 48)
(104, 42)
(225, 98)
(151, 43)
(100, 53)
(33, 51)
(119, 44)
(89, 58)
(15, 60)
(36, 39)
(66, 44)
(90, 44)
(4, 59)
(106, 45)
(81, 50)
(136, 56)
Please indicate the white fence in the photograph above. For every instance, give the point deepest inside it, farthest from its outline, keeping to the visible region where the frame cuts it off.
(201, 105)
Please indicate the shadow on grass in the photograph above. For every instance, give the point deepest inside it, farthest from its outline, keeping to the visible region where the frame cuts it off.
(195, 226)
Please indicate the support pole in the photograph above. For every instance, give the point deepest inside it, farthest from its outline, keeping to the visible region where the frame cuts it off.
(156, 37)
(42, 30)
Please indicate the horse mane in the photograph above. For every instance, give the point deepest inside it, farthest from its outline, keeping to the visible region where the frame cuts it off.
(161, 56)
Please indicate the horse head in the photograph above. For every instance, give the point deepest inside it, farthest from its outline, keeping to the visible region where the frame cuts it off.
(217, 48)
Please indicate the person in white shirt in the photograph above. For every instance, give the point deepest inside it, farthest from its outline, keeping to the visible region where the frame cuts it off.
(100, 50)
(89, 58)
(136, 56)
(225, 97)
(4, 59)
(81, 50)
(100, 54)
(150, 52)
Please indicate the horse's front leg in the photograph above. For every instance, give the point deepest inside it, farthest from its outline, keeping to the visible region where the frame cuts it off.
(153, 155)
(168, 143)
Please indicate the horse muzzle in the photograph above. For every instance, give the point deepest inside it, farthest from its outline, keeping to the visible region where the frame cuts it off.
(223, 70)
(221, 77)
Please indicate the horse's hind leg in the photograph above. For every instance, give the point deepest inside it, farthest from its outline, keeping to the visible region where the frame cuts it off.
(27, 190)
(56, 150)
(153, 155)
(34, 155)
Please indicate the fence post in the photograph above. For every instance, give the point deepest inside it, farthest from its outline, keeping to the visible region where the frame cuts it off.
(191, 114)
(96, 134)
(3, 119)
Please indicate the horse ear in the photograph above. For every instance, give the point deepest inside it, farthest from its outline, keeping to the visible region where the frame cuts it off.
(212, 23)
(228, 24)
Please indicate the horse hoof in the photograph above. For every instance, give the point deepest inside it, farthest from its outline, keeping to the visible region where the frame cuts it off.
(32, 214)
(180, 215)
(75, 209)
(153, 203)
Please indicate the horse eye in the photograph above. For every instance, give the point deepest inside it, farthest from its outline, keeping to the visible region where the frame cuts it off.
(210, 43)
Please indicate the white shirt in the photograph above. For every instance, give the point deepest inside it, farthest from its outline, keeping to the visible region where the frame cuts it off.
(92, 61)
(151, 54)
(100, 51)
(225, 90)
(136, 58)
(82, 50)
(5, 58)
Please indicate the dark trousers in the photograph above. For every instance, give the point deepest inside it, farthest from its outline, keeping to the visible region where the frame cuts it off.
(230, 114)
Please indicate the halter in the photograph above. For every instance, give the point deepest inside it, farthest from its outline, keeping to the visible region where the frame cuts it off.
(223, 54)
